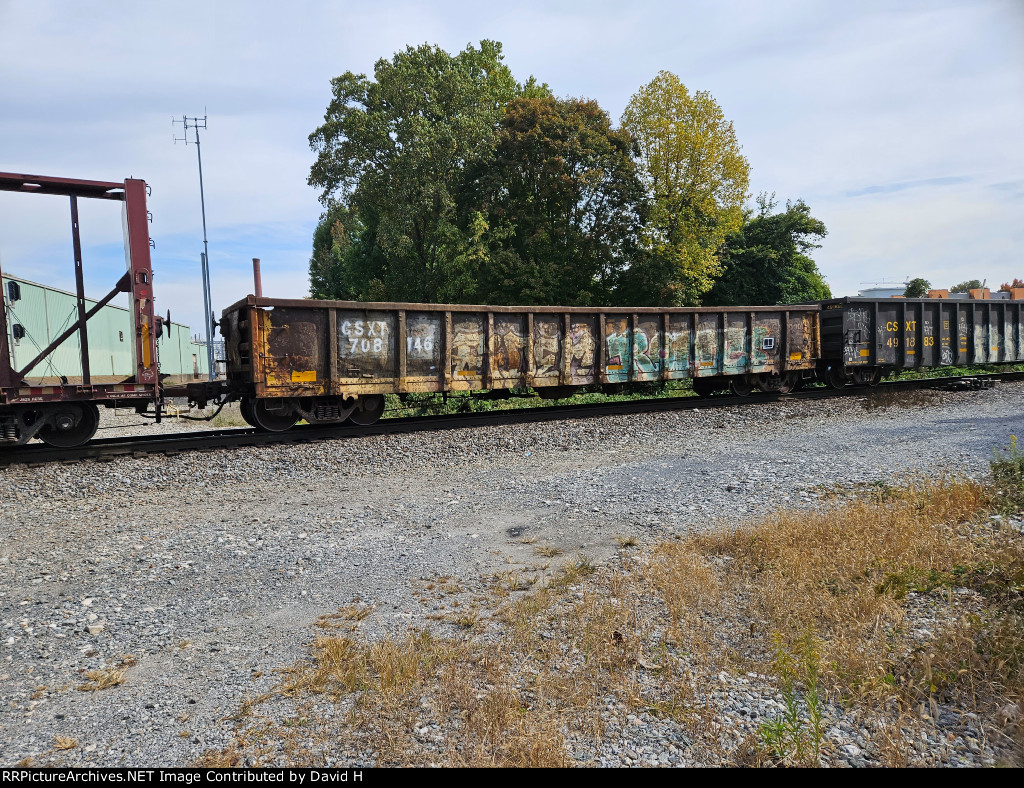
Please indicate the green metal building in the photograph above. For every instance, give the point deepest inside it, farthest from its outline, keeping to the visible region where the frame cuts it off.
(41, 313)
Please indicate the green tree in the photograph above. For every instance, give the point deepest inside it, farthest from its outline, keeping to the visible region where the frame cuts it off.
(917, 288)
(966, 287)
(556, 206)
(391, 156)
(696, 181)
(767, 262)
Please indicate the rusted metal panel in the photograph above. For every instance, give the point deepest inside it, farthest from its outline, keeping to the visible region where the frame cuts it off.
(468, 343)
(547, 349)
(509, 342)
(294, 350)
(584, 341)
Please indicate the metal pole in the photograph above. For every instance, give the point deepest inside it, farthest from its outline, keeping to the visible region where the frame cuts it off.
(206, 312)
(257, 279)
(83, 331)
(208, 318)
(207, 294)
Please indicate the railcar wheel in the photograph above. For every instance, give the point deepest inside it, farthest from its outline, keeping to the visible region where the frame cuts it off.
(245, 408)
(836, 377)
(269, 420)
(740, 387)
(368, 410)
(71, 425)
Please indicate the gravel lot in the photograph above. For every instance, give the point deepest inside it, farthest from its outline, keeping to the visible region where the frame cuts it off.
(209, 568)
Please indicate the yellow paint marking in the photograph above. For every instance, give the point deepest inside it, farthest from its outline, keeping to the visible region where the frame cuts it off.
(308, 376)
(795, 356)
(865, 353)
(467, 373)
(615, 367)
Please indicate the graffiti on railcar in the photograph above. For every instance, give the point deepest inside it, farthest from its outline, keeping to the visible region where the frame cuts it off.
(927, 339)
(366, 344)
(764, 347)
(857, 336)
(708, 358)
(736, 355)
(1009, 346)
(677, 346)
(467, 346)
(509, 347)
(980, 338)
(647, 349)
(617, 346)
(582, 350)
(423, 344)
(547, 345)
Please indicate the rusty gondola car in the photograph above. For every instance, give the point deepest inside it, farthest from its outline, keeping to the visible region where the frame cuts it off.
(331, 361)
(865, 338)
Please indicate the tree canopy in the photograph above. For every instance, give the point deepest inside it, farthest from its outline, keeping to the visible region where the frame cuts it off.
(443, 179)
(917, 288)
(766, 261)
(696, 181)
(966, 287)
(393, 151)
(557, 204)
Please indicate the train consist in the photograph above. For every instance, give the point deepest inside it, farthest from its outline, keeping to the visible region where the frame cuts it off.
(332, 362)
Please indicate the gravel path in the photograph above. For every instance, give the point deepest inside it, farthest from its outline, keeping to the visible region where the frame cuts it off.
(210, 568)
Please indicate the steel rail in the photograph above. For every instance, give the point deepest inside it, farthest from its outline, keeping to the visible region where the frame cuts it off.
(208, 440)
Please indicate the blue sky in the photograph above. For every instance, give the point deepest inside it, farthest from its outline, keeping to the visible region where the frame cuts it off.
(899, 123)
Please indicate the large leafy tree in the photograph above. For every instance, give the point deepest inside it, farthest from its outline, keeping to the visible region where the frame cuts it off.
(391, 158)
(966, 287)
(766, 261)
(696, 181)
(556, 207)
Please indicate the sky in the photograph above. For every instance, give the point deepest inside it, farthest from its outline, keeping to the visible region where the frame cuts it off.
(901, 124)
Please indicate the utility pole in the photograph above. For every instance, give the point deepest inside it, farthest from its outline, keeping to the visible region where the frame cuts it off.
(196, 123)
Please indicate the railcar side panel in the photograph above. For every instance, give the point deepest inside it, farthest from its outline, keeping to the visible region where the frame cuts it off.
(294, 348)
(912, 333)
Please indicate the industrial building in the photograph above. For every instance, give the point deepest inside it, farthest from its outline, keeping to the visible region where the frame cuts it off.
(37, 314)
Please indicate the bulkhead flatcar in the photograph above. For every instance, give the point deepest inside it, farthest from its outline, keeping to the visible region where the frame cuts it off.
(863, 339)
(331, 361)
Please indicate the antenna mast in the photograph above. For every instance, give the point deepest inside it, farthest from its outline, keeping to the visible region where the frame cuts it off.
(197, 123)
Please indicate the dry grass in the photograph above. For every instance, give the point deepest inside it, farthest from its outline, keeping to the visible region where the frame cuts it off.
(65, 743)
(111, 675)
(826, 604)
(548, 550)
(347, 617)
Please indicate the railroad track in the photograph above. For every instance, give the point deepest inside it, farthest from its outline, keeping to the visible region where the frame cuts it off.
(209, 440)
